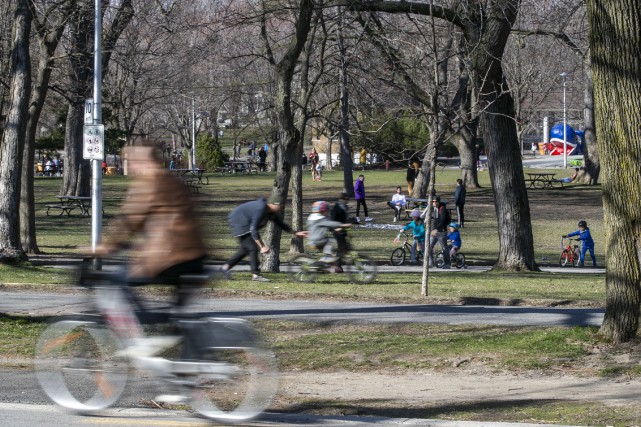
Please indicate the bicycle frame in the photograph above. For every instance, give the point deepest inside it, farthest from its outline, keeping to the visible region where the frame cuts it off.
(569, 253)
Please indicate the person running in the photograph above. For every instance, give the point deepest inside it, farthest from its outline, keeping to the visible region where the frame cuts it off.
(359, 195)
(587, 243)
(245, 220)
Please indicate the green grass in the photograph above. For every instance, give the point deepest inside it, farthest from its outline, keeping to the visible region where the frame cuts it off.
(18, 336)
(420, 346)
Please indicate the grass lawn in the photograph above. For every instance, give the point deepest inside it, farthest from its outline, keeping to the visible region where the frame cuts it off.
(359, 348)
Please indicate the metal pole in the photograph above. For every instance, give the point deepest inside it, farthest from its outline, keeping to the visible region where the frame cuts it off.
(96, 180)
(193, 132)
(565, 137)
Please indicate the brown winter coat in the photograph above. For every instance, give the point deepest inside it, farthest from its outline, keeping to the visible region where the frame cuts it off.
(159, 210)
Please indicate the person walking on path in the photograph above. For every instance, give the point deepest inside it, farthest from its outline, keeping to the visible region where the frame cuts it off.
(245, 220)
(359, 195)
(440, 220)
(459, 202)
(587, 243)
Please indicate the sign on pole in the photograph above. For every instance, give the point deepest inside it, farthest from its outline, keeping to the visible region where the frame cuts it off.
(89, 111)
(94, 142)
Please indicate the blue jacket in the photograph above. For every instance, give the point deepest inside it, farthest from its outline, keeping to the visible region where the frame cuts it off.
(455, 237)
(585, 237)
(418, 230)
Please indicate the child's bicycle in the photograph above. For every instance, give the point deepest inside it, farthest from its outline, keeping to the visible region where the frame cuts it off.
(570, 254)
(457, 260)
(400, 254)
(359, 267)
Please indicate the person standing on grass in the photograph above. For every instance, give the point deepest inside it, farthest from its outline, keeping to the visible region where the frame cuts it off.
(440, 220)
(587, 243)
(410, 177)
(363, 158)
(459, 202)
(245, 221)
(359, 195)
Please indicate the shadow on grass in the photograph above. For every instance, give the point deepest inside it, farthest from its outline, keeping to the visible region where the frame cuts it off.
(491, 410)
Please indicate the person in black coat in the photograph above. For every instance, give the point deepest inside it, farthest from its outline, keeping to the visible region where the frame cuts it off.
(459, 201)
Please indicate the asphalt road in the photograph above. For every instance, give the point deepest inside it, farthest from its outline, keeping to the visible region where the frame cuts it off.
(55, 304)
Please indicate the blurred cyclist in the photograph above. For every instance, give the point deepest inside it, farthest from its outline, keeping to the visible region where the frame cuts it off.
(159, 211)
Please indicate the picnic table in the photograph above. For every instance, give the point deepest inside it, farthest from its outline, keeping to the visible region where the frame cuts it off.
(69, 203)
(239, 166)
(540, 180)
(192, 174)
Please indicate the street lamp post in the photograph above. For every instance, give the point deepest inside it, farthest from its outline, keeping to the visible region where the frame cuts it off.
(565, 136)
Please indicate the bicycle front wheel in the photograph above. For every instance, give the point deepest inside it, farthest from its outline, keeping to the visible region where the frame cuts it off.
(77, 366)
(360, 268)
(302, 268)
(565, 258)
(398, 256)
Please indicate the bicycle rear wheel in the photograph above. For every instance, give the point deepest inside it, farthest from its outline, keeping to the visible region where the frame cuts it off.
(242, 378)
(439, 260)
(302, 268)
(460, 260)
(360, 268)
(398, 256)
(77, 366)
(565, 258)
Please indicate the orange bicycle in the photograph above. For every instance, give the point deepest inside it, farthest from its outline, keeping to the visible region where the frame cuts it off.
(570, 254)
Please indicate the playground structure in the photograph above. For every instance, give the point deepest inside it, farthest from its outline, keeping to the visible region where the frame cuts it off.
(574, 141)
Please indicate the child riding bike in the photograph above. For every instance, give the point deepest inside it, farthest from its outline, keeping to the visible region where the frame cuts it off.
(454, 236)
(319, 227)
(418, 231)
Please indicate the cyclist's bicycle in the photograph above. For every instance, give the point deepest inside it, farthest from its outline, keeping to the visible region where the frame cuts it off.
(457, 260)
(570, 253)
(359, 267)
(399, 255)
(218, 364)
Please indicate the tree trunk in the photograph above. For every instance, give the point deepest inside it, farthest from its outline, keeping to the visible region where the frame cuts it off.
(464, 143)
(298, 219)
(615, 35)
(13, 136)
(77, 171)
(516, 242)
(591, 163)
(48, 38)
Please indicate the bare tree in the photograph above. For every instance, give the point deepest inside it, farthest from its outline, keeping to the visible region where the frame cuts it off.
(615, 36)
(49, 24)
(13, 134)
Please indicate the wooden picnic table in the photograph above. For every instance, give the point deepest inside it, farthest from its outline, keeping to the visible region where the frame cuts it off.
(541, 179)
(197, 174)
(70, 203)
(239, 166)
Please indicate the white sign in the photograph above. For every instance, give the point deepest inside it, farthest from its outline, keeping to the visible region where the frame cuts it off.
(89, 111)
(94, 142)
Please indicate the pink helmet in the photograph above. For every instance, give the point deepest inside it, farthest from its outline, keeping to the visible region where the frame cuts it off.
(320, 207)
